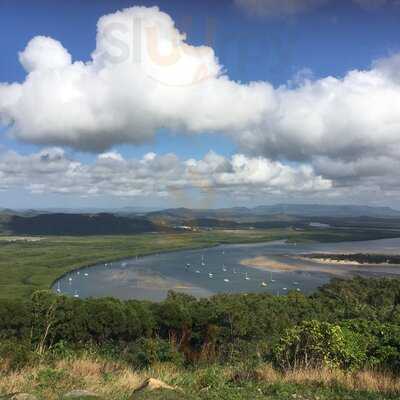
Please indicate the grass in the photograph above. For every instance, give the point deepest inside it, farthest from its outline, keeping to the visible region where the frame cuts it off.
(27, 266)
(115, 381)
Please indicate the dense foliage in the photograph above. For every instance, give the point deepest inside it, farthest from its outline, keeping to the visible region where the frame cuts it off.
(360, 258)
(349, 324)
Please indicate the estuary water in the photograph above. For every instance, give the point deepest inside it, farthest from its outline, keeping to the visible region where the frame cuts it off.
(221, 269)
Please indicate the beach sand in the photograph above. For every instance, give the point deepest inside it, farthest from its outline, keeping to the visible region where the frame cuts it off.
(263, 262)
(268, 264)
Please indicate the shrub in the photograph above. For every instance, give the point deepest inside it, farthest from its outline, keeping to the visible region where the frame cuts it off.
(313, 344)
(15, 355)
(146, 352)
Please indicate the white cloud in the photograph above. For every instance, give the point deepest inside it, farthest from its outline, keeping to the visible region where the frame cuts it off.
(352, 117)
(43, 53)
(131, 88)
(51, 171)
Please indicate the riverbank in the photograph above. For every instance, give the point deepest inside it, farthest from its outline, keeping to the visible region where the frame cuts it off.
(363, 259)
(28, 266)
(268, 264)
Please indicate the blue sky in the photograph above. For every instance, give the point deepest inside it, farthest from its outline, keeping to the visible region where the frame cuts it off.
(329, 40)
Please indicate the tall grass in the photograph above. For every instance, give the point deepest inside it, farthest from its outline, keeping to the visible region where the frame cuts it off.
(116, 381)
(371, 381)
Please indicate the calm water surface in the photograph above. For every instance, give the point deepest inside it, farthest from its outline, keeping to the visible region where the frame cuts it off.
(218, 270)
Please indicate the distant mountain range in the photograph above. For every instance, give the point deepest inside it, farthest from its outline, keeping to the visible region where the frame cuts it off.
(299, 210)
(135, 220)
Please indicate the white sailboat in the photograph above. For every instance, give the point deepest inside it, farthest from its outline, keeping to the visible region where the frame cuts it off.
(263, 284)
(247, 277)
(226, 280)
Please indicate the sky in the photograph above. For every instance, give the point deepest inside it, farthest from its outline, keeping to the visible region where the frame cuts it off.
(199, 104)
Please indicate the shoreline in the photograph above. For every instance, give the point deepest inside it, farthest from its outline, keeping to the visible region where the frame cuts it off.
(267, 264)
(332, 261)
(152, 253)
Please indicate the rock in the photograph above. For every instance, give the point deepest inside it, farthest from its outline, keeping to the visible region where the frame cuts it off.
(18, 396)
(81, 395)
(151, 385)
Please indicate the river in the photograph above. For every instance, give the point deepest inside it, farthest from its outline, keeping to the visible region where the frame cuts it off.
(205, 272)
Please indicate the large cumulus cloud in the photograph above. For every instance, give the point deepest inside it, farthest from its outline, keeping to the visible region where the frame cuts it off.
(145, 75)
(51, 171)
(354, 116)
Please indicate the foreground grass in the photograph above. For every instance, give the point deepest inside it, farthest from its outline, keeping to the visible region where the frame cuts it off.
(29, 265)
(115, 381)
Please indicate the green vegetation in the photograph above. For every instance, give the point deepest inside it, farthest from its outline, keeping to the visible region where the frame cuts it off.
(27, 266)
(360, 258)
(341, 342)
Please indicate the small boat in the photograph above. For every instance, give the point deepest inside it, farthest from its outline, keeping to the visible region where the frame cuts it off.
(78, 273)
(226, 280)
(285, 288)
(197, 272)
(86, 274)
(234, 270)
(298, 289)
(263, 284)
(295, 283)
(58, 288)
(210, 275)
(76, 295)
(272, 280)
(247, 277)
(224, 268)
(70, 279)
(124, 264)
